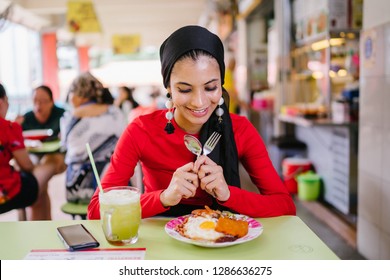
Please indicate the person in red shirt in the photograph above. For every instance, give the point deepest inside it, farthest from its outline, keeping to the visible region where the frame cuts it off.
(19, 188)
(175, 180)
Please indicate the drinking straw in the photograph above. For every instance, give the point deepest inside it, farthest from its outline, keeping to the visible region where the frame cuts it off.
(94, 167)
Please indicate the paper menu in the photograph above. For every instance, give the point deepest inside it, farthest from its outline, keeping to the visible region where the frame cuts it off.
(90, 254)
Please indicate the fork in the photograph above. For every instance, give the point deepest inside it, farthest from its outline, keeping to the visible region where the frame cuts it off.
(211, 143)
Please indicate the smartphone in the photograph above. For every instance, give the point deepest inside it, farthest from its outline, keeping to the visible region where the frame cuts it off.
(77, 237)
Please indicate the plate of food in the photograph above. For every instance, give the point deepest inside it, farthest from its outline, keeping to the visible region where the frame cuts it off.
(213, 228)
(37, 134)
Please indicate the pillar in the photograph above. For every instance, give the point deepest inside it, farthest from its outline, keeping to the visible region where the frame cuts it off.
(83, 58)
(50, 63)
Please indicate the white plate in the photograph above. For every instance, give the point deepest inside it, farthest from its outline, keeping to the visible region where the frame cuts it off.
(37, 134)
(254, 230)
(32, 143)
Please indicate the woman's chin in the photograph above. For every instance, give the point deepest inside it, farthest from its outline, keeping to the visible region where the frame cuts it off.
(199, 120)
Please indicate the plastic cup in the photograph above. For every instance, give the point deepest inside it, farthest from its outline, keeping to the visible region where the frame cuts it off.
(120, 214)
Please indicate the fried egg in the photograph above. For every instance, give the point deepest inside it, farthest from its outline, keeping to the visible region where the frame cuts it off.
(202, 228)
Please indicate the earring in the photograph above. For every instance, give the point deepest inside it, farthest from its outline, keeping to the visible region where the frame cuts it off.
(219, 112)
(169, 128)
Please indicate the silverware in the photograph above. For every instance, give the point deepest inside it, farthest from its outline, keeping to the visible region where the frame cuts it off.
(209, 147)
(193, 144)
(195, 147)
(211, 143)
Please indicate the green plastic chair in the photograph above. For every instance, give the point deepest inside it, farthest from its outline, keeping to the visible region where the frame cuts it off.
(75, 209)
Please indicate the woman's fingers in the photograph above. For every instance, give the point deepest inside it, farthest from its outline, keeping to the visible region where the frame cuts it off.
(183, 184)
(206, 169)
(213, 181)
(203, 160)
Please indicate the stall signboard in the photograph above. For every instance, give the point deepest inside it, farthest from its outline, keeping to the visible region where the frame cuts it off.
(126, 44)
(81, 17)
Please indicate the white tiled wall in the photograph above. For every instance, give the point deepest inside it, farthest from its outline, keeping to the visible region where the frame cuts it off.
(374, 144)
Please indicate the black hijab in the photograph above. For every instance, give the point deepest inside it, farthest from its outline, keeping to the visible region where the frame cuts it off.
(195, 38)
(187, 39)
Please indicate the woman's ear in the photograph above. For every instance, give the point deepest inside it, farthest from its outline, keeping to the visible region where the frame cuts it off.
(226, 97)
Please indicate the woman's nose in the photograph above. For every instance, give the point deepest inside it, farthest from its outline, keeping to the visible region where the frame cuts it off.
(198, 99)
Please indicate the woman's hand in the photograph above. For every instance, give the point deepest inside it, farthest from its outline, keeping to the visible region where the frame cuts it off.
(211, 178)
(183, 184)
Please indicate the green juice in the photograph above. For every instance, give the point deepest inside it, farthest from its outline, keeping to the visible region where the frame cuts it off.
(120, 213)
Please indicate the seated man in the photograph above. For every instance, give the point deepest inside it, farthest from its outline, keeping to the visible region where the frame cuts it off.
(45, 115)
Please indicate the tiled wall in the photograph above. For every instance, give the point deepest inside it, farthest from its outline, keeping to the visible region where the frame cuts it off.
(374, 144)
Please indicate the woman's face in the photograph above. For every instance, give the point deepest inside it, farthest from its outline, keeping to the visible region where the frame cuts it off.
(4, 106)
(122, 94)
(42, 105)
(195, 87)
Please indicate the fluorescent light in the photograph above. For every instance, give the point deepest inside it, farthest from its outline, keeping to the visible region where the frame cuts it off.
(317, 75)
(337, 41)
(326, 43)
(332, 74)
(342, 73)
(320, 45)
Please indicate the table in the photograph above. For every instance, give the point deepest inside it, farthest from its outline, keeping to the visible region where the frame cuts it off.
(46, 148)
(285, 237)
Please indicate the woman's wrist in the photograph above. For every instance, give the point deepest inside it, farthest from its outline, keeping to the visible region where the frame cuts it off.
(163, 199)
(225, 198)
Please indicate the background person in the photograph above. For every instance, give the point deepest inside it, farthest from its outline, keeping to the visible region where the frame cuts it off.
(94, 120)
(146, 108)
(125, 101)
(192, 60)
(45, 114)
(28, 185)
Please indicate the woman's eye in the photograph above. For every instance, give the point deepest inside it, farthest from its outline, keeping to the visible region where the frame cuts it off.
(186, 90)
(211, 88)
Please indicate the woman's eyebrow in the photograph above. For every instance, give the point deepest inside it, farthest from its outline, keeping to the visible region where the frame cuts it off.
(183, 83)
(211, 81)
(187, 84)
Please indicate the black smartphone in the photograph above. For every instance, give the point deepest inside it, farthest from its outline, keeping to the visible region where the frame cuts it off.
(77, 237)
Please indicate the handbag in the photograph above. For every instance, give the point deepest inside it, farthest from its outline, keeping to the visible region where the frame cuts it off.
(80, 179)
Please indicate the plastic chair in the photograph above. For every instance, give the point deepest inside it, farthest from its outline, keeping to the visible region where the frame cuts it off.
(75, 209)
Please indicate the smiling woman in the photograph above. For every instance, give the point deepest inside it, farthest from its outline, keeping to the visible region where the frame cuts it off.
(176, 182)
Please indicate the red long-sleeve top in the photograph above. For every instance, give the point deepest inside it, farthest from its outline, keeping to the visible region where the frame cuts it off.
(161, 154)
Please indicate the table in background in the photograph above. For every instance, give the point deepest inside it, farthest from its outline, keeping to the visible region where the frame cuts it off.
(286, 237)
(46, 148)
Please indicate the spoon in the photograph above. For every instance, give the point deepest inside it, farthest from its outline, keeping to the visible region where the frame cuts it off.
(193, 144)
(195, 147)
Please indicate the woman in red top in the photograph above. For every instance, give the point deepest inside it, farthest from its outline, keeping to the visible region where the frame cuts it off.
(175, 181)
(19, 189)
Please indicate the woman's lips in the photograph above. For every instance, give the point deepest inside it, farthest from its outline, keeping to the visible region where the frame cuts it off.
(199, 112)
